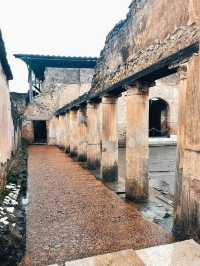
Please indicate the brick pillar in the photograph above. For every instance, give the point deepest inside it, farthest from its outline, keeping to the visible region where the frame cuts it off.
(187, 204)
(67, 132)
(73, 133)
(137, 146)
(93, 147)
(52, 132)
(82, 147)
(109, 159)
(62, 131)
(57, 129)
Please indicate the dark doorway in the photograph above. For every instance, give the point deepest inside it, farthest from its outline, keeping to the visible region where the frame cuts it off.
(158, 118)
(40, 131)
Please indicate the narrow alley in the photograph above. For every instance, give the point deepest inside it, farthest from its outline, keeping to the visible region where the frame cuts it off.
(71, 215)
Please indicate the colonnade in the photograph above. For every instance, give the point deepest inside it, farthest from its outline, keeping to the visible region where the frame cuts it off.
(89, 132)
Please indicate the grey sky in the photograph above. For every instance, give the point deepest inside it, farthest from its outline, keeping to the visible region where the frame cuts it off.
(56, 27)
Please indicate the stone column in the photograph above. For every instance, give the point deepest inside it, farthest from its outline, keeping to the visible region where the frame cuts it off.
(109, 159)
(62, 131)
(73, 133)
(82, 147)
(180, 150)
(57, 129)
(187, 205)
(137, 145)
(67, 132)
(93, 147)
(52, 132)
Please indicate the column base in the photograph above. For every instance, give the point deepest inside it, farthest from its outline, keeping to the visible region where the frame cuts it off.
(93, 164)
(179, 229)
(137, 199)
(67, 149)
(73, 154)
(61, 147)
(110, 174)
(136, 193)
(82, 157)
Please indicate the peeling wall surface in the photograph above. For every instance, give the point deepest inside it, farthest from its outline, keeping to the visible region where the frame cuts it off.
(153, 30)
(6, 127)
(18, 106)
(61, 86)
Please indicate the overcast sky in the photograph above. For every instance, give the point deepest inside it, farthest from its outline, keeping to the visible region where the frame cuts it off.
(56, 27)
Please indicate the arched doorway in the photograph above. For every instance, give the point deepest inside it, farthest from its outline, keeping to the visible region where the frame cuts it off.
(158, 118)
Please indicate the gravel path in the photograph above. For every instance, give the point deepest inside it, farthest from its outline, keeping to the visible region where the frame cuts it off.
(71, 215)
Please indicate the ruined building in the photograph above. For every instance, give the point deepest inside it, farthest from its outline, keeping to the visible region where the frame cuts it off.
(146, 79)
(54, 81)
(139, 52)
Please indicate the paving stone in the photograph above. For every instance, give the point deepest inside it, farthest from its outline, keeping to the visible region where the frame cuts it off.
(71, 215)
(186, 253)
(122, 258)
(177, 254)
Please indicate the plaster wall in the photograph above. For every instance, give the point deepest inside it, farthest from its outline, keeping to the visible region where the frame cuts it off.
(6, 128)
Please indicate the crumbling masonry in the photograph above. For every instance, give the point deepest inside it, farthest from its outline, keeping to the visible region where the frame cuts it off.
(156, 40)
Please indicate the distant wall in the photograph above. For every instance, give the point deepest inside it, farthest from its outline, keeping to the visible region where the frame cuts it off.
(18, 106)
(166, 89)
(60, 87)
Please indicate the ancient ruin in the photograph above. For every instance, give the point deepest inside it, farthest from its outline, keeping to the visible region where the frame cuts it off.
(116, 120)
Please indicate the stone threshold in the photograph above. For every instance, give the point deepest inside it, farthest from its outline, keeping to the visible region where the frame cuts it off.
(158, 142)
(177, 254)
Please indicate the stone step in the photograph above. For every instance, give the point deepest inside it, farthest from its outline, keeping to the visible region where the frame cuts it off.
(177, 254)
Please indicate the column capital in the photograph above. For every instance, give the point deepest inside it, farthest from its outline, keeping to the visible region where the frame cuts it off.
(138, 88)
(91, 104)
(182, 70)
(109, 99)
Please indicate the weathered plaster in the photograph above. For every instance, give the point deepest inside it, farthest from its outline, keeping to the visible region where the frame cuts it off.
(153, 30)
(6, 127)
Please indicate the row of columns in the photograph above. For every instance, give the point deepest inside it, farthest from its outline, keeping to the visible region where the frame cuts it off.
(90, 134)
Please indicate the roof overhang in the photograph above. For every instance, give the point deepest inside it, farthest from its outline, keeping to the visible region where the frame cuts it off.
(38, 63)
(3, 60)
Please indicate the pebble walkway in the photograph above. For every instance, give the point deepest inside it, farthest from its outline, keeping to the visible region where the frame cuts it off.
(71, 215)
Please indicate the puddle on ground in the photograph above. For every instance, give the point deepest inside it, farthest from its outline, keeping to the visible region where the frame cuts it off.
(162, 164)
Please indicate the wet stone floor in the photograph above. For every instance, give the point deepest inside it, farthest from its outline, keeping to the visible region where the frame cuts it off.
(72, 215)
(162, 167)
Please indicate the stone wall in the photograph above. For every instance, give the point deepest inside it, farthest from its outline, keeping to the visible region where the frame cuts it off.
(61, 86)
(166, 89)
(18, 106)
(6, 127)
(153, 30)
